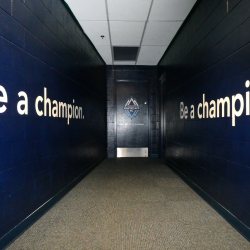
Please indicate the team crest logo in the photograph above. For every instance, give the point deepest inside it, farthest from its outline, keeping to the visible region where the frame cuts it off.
(131, 108)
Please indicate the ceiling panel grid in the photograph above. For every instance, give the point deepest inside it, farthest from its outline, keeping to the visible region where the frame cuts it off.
(147, 24)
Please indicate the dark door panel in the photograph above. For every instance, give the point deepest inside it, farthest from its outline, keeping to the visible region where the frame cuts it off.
(132, 114)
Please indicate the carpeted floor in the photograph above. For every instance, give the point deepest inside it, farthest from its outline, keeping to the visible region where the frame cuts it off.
(131, 204)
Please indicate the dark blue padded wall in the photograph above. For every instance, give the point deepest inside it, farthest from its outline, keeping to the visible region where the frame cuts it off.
(210, 55)
(45, 54)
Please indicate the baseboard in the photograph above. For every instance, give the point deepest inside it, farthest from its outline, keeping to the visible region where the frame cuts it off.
(229, 217)
(8, 238)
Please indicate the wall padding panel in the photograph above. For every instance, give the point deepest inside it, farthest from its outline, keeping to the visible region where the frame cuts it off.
(41, 46)
(210, 55)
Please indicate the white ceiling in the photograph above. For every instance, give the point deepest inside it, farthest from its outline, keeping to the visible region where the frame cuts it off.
(148, 24)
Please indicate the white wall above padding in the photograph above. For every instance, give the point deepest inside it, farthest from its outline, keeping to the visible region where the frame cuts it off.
(129, 10)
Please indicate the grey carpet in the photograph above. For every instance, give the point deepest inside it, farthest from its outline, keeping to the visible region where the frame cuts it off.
(131, 204)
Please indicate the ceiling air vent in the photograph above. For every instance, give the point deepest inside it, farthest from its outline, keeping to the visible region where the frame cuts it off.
(125, 53)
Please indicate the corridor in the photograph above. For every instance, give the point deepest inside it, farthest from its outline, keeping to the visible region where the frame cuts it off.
(131, 204)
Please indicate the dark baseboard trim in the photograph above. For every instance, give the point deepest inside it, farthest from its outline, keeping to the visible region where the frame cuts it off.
(8, 238)
(229, 217)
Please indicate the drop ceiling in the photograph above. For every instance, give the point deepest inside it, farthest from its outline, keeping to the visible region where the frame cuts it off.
(148, 24)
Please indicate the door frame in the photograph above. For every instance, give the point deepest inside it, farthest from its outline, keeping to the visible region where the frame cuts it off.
(117, 80)
(163, 134)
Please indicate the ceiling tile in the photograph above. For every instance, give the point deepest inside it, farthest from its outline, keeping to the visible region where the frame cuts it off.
(124, 63)
(88, 9)
(126, 33)
(95, 29)
(147, 63)
(160, 33)
(105, 52)
(151, 53)
(131, 10)
(166, 10)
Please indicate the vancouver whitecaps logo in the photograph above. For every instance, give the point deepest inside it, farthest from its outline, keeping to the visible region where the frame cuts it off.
(131, 108)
